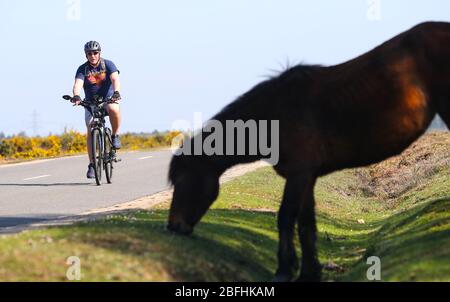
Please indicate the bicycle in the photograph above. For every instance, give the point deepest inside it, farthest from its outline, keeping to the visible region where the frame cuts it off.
(103, 151)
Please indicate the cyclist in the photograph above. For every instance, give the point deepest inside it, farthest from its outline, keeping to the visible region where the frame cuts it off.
(100, 77)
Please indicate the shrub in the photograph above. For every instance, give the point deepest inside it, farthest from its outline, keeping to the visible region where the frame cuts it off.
(21, 147)
(73, 142)
(6, 148)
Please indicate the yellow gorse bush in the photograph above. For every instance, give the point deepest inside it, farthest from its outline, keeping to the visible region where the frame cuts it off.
(72, 142)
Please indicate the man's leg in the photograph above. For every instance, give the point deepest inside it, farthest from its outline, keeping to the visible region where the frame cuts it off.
(89, 145)
(114, 117)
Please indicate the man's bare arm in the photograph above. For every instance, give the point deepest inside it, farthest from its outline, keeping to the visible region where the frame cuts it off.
(77, 86)
(77, 90)
(115, 81)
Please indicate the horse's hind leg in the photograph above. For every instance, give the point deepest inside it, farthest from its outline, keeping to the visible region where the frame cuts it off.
(310, 268)
(287, 217)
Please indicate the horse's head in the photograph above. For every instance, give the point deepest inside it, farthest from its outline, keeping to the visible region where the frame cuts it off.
(196, 186)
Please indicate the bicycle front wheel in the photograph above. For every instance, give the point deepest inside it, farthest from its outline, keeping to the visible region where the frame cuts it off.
(108, 159)
(97, 155)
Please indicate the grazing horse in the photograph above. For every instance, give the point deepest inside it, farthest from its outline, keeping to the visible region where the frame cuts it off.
(330, 117)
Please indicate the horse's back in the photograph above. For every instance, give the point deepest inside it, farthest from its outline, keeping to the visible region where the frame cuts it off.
(366, 109)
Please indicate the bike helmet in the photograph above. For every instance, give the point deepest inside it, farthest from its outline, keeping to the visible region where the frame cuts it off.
(92, 46)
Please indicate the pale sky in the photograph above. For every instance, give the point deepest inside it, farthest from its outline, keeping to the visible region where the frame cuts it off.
(178, 57)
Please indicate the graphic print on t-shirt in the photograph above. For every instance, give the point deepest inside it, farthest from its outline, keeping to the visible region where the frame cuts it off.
(97, 80)
(96, 77)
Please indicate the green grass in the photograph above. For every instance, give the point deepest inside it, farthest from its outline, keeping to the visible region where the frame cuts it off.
(237, 239)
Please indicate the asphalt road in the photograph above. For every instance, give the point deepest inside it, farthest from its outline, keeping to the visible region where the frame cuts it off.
(50, 189)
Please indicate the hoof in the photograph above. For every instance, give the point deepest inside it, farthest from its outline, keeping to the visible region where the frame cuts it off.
(180, 228)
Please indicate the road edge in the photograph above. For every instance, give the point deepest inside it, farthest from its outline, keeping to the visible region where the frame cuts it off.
(142, 203)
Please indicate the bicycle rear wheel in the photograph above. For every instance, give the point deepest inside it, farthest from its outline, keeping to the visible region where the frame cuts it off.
(108, 162)
(97, 155)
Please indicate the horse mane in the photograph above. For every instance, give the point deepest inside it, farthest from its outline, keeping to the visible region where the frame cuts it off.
(261, 94)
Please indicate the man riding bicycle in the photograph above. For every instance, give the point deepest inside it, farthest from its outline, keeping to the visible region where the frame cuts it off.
(98, 77)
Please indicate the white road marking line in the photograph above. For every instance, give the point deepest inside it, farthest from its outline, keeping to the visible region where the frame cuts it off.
(39, 161)
(26, 163)
(37, 177)
(74, 156)
(145, 157)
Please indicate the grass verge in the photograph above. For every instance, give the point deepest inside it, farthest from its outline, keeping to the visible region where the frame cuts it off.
(237, 239)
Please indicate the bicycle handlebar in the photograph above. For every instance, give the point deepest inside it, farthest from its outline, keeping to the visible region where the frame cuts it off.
(97, 101)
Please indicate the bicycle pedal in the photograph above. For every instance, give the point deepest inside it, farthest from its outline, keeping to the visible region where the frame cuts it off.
(116, 160)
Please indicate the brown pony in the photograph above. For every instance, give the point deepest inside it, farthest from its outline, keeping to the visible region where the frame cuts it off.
(330, 118)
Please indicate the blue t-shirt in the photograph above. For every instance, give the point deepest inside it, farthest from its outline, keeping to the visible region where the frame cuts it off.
(97, 80)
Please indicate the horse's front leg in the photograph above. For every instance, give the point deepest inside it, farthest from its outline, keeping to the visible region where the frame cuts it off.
(310, 268)
(287, 217)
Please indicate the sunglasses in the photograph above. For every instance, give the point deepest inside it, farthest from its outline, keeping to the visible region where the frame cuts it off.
(93, 53)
